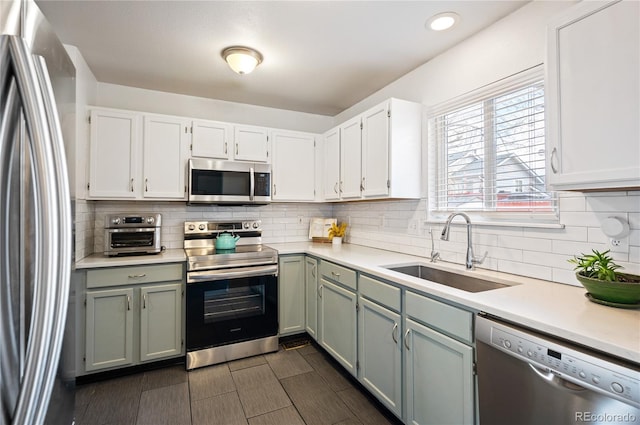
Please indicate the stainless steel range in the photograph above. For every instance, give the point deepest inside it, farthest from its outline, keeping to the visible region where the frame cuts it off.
(232, 294)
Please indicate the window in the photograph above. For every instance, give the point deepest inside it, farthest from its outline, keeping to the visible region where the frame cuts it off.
(487, 153)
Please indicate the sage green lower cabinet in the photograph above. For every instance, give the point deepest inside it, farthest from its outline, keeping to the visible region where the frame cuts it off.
(380, 353)
(109, 322)
(160, 321)
(133, 315)
(311, 296)
(337, 323)
(438, 377)
(291, 289)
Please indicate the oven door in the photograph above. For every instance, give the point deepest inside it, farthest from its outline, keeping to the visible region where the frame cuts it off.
(231, 305)
(132, 240)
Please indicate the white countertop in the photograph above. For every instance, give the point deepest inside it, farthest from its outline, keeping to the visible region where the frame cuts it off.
(553, 308)
(95, 261)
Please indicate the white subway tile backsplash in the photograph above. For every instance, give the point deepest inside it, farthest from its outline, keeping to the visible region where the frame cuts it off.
(519, 268)
(613, 203)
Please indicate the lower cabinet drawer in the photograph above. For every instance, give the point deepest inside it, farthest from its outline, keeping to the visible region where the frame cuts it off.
(339, 274)
(99, 278)
(380, 292)
(447, 318)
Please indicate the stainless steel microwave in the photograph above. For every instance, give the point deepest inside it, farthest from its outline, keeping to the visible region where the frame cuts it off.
(228, 182)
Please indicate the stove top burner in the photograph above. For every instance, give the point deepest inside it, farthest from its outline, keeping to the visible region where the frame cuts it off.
(199, 245)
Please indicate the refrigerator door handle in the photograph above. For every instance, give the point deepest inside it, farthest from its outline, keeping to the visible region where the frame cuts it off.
(51, 246)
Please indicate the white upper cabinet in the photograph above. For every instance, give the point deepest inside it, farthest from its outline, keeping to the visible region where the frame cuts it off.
(114, 154)
(127, 162)
(165, 153)
(331, 175)
(350, 157)
(211, 139)
(593, 97)
(375, 152)
(380, 154)
(251, 143)
(293, 171)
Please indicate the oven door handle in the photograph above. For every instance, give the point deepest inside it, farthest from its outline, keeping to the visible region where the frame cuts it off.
(211, 275)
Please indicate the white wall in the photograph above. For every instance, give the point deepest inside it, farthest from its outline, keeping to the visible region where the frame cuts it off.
(136, 99)
(513, 44)
(78, 154)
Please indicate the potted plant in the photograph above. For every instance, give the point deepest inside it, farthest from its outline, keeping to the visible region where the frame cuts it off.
(597, 272)
(337, 232)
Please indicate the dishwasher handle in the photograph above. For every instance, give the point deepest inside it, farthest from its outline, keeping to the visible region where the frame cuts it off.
(556, 381)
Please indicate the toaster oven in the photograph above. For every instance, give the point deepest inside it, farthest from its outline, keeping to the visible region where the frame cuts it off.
(132, 234)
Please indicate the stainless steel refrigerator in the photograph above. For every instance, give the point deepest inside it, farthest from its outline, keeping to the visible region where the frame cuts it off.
(37, 91)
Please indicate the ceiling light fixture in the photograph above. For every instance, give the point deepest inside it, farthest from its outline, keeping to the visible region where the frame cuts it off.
(443, 21)
(241, 59)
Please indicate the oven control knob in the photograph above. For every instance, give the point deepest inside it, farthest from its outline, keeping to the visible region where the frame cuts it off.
(116, 220)
(507, 343)
(582, 374)
(256, 225)
(150, 220)
(201, 227)
(192, 227)
(246, 225)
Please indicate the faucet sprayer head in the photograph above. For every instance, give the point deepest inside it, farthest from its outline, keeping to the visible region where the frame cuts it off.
(445, 232)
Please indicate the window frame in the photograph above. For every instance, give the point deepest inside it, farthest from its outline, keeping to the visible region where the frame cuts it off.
(437, 153)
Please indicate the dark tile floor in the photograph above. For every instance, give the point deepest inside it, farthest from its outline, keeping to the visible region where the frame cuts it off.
(290, 387)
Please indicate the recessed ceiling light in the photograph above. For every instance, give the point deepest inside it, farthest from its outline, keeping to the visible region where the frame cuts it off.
(442, 21)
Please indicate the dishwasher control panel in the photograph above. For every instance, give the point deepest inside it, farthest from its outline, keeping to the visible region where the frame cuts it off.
(579, 367)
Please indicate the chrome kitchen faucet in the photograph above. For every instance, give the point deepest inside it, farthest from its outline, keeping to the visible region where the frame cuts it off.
(471, 259)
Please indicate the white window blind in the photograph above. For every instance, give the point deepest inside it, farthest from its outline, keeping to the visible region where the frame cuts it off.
(487, 152)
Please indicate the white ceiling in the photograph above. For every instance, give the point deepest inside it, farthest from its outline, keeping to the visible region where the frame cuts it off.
(319, 56)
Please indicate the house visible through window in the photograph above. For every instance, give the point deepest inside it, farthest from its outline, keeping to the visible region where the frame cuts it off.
(487, 151)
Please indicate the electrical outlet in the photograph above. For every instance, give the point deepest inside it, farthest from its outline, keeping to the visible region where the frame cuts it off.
(413, 228)
(619, 245)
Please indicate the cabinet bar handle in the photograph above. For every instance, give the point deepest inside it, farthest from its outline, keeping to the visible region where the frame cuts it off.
(554, 155)
(136, 276)
(128, 303)
(406, 335)
(146, 185)
(313, 271)
(362, 185)
(236, 149)
(320, 291)
(341, 187)
(144, 301)
(274, 189)
(394, 334)
(131, 185)
(335, 187)
(225, 148)
(335, 274)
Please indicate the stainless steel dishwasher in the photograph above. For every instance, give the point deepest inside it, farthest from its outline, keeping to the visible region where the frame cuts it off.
(528, 378)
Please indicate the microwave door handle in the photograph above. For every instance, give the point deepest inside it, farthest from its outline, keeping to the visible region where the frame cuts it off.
(252, 188)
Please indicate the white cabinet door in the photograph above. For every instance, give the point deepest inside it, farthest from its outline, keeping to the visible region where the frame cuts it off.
(332, 164)
(109, 328)
(438, 377)
(210, 139)
(293, 170)
(311, 296)
(166, 142)
(375, 151)
(337, 325)
(160, 321)
(593, 97)
(291, 299)
(251, 143)
(350, 158)
(380, 353)
(114, 154)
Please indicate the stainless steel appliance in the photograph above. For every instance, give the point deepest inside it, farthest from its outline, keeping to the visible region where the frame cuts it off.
(132, 234)
(37, 93)
(232, 294)
(528, 378)
(228, 182)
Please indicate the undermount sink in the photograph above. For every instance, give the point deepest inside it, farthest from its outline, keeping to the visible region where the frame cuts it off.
(454, 280)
